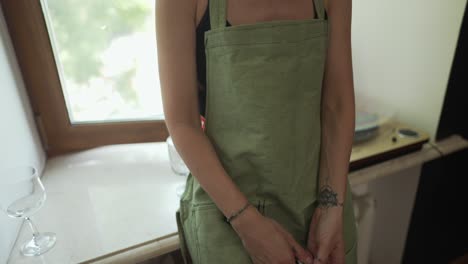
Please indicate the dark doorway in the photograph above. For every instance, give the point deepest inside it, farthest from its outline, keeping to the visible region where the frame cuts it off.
(438, 231)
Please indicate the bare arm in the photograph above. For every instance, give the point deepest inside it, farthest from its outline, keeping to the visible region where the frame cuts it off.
(175, 32)
(338, 106)
(326, 234)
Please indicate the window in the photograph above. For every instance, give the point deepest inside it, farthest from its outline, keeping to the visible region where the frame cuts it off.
(90, 68)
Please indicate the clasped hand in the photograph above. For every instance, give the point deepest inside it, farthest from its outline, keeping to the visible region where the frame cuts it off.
(267, 242)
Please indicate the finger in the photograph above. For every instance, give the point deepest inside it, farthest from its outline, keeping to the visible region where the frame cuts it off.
(312, 245)
(263, 259)
(301, 253)
(257, 260)
(311, 239)
(322, 254)
(337, 255)
(290, 253)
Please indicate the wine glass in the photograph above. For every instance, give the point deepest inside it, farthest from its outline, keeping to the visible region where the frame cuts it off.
(22, 194)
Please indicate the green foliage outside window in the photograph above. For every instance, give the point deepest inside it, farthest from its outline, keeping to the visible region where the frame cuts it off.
(83, 29)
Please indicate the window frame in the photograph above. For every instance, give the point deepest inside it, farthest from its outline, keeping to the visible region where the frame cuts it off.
(26, 24)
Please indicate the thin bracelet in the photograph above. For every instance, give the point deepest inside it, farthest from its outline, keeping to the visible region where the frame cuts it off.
(230, 218)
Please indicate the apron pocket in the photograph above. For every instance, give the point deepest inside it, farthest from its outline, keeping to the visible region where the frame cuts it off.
(217, 242)
(182, 239)
(185, 225)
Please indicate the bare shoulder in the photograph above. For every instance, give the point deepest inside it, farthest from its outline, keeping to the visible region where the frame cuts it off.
(167, 8)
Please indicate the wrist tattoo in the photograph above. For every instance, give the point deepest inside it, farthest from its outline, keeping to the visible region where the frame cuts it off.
(327, 197)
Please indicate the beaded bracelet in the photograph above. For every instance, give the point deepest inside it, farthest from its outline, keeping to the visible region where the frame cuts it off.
(230, 218)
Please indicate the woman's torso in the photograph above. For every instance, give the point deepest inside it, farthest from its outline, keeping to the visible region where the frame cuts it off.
(298, 9)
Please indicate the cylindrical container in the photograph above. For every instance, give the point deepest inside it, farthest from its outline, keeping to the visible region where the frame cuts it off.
(177, 164)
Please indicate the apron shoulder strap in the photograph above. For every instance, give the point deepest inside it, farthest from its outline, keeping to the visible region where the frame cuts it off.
(218, 12)
(320, 8)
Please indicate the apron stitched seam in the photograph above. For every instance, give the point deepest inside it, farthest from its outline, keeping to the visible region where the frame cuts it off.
(211, 46)
(266, 25)
(195, 237)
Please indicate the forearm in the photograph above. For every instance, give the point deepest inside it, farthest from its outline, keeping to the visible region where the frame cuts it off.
(198, 154)
(338, 105)
(338, 121)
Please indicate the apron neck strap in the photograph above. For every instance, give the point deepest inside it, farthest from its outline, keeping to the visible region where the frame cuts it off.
(218, 12)
(320, 8)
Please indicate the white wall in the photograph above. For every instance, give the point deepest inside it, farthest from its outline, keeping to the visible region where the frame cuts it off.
(403, 52)
(19, 140)
(402, 56)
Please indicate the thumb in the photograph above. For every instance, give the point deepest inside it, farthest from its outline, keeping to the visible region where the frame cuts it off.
(322, 254)
(301, 253)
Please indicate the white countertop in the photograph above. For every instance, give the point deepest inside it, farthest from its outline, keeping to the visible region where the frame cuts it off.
(105, 200)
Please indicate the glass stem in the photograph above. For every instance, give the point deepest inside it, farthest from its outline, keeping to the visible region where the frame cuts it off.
(33, 229)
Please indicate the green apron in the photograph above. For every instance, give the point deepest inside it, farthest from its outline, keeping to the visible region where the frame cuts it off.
(263, 104)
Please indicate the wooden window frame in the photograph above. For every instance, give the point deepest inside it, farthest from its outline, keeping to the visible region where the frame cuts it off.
(32, 45)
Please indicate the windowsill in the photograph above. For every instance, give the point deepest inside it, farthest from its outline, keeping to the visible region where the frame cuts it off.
(107, 200)
(117, 204)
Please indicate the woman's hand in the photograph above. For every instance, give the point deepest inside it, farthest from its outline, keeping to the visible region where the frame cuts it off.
(266, 241)
(325, 239)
